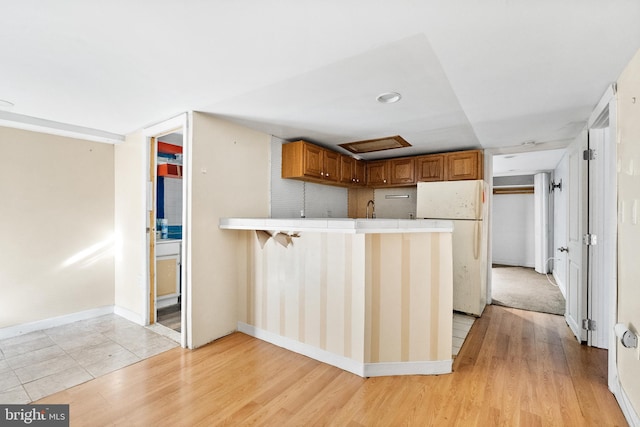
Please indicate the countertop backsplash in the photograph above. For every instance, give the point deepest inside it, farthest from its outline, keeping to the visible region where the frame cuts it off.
(394, 203)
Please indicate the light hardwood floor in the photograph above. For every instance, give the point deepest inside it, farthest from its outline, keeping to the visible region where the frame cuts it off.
(516, 368)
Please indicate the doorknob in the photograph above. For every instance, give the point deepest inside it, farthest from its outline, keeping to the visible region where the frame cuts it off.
(563, 249)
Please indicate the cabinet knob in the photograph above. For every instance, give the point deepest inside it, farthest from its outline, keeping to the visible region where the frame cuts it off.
(327, 175)
(384, 180)
(321, 173)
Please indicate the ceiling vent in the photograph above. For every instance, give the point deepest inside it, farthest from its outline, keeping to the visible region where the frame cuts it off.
(372, 145)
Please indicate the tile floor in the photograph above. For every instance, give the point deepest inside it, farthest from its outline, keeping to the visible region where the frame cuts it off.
(462, 324)
(41, 363)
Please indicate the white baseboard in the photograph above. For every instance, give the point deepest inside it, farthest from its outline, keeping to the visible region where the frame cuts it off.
(561, 286)
(349, 365)
(626, 406)
(25, 328)
(129, 315)
(166, 301)
(512, 263)
(319, 354)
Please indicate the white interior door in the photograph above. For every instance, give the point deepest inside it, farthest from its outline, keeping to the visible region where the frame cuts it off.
(576, 301)
(602, 217)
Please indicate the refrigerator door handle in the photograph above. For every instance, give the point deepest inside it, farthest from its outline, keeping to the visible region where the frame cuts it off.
(477, 239)
(478, 200)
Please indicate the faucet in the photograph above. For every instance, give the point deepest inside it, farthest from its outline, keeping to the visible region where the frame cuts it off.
(373, 212)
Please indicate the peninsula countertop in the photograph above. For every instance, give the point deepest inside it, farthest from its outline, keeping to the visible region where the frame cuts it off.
(339, 225)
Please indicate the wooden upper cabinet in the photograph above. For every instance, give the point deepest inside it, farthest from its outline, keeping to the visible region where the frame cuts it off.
(402, 171)
(361, 173)
(302, 160)
(309, 162)
(352, 171)
(331, 166)
(347, 169)
(313, 160)
(378, 173)
(430, 168)
(463, 165)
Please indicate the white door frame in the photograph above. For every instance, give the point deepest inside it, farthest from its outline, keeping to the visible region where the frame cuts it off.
(604, 116)
(577, 264)
(180, 122)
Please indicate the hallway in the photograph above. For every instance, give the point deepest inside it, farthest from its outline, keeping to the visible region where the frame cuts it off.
(524, 288)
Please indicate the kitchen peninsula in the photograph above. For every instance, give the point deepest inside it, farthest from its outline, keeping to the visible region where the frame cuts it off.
(370, 296)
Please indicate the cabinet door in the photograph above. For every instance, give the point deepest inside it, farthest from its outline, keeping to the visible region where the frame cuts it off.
(360, 173)
(313, 161)
(463, 165)
(377, 173)
(347, 170)
(430, 168)
(167, 275)
(331, 165)
(402, 171)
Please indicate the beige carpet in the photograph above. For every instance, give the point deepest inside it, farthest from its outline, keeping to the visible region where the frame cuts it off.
(524, 288)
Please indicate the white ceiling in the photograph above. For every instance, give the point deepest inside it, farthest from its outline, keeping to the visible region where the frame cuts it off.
(472, 74)
(526, 163)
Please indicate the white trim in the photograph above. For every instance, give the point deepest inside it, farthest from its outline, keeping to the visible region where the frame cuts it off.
(167, 300)
(435, 367)
(613, 295)
(318, 354)
(158, 129)
(129, 315)
(596, 115)
(179, 122)
(34, 124)
(560, 284)
(25, 328)
(625, 405)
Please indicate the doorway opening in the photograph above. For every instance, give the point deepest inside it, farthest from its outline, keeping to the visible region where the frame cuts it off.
(168, 209)
(525, 271)
(167, 289)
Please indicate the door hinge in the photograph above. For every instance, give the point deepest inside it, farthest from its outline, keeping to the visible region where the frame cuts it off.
(588, 324)
(590, 240)
(589, 154)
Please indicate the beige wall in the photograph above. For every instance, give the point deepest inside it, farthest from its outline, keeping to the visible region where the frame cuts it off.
(57, 226)
(312, 291)
(410, 298)
(230, 178)
(130, 226)
(628, 110)
(370, 298)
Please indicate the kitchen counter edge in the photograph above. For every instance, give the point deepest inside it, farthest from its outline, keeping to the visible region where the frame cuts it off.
(339, 225)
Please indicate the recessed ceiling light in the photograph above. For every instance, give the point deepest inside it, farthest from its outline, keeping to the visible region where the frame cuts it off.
(6, 105)
(389, 97)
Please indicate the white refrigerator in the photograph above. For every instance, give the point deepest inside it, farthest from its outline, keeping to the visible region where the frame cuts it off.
(462, 202)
